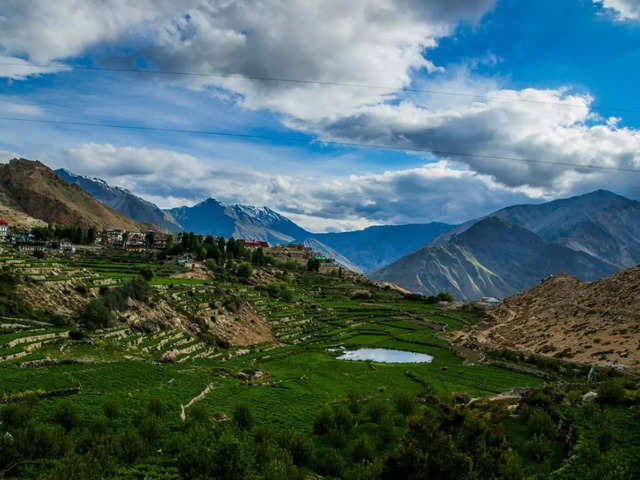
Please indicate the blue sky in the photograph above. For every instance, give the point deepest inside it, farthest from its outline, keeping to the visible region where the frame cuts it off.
(495, 102)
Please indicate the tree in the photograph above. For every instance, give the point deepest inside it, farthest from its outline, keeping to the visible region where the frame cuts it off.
(313, 265)
(149, 239)
(242, 416)
(91, 235)
(257, 257)
(66, 415)
(245, 270)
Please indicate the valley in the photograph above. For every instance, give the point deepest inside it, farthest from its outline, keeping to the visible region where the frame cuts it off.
(202, 344)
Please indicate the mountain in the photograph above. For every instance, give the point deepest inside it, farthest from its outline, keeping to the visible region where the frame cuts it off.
(492, 257)
(601, 223)
(564, 317)
(214, 218)
(378, 246)
(122, 200)
(34, 189)
(329, 252)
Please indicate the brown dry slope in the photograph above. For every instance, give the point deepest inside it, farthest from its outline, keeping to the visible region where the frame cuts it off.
(36, 191)
(596, 322)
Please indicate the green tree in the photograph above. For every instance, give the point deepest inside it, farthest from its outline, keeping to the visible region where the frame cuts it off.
(245, 270)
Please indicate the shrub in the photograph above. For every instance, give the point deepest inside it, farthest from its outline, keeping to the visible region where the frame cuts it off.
(66, 415)
(242, 417)
(324, 421)
(146, 273)
(538, 448)
(611, 392)
(363, 448)
(540, 423)
(111, 408)
(15, 415)
(132, 446)
(245, 270)
(378, 410)
(299, 446)
(343, 419)
(156, 407)
(96, 315)
(405, 403)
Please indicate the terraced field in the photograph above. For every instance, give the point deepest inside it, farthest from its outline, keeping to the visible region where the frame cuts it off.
(297, 372)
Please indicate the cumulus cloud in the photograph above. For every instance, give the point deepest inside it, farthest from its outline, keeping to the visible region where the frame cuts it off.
(430, 192)
(622, 9)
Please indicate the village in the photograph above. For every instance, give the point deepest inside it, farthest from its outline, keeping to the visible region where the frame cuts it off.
(42, 241)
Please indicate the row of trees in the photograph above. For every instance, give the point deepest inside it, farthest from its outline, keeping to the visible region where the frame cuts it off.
(73, 234)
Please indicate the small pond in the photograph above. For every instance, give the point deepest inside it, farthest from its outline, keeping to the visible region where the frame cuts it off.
(385, 355)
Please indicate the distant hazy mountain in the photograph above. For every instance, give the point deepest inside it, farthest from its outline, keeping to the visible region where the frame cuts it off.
(375, 247)
(601, 223)
(329, 252)
(37, 191)
(491, 257)
(122, 200)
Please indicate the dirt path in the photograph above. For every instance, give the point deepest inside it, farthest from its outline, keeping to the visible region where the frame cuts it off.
(197, 398)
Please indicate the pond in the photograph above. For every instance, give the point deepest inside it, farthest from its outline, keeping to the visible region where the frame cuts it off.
(385, 355)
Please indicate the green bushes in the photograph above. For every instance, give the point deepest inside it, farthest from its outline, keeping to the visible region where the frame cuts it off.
(98, 312)
(242, 417)
(611, 392)
(279, 290)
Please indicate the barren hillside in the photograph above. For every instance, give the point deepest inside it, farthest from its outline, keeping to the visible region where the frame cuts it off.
(596, 322)
(34, 189)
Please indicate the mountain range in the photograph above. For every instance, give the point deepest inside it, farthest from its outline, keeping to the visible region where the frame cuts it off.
(588, 236)
(122, 200)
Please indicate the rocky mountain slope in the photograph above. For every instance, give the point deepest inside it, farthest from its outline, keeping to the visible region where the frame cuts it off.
(35, 190)
(564, 317)
(122, 200)
(601, 223)
(492, 257)
(378, 246)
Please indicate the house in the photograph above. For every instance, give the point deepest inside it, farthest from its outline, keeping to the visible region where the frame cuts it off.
(254, 243)
(136, 240)
(4, 229)
(160, 240)
(113, 237)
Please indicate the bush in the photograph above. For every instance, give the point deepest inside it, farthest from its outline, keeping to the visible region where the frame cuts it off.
(362, 449)
(96, 315)
(405, 403)
(156, 407)
(111, 408)
(324, 421)
(146, 273)
(299, 446)
(245, 270)
(242, 417)
(378, 410)
(15, 415)
(66, 415)
(343, 419)
(611, 392)
(540, 423)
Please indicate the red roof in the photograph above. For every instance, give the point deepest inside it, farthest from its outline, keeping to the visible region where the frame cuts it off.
(3, 222)
(254, 243)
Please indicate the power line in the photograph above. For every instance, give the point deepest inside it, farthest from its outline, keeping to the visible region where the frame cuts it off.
(326, 84)
(399, 148)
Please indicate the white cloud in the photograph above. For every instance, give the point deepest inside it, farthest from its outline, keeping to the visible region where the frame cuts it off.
(622, 9)
(19, 69)
(430, 192)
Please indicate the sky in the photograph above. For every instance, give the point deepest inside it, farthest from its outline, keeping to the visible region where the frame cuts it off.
(339, 115)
